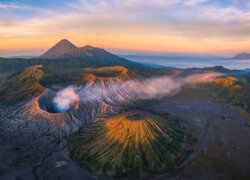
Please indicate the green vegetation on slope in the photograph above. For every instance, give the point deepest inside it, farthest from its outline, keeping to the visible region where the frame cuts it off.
(22, 86)
(232, 90)
(132, 144)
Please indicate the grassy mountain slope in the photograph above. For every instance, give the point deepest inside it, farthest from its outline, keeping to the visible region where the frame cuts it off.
(232, 89)
(131, 144)
(22, 86)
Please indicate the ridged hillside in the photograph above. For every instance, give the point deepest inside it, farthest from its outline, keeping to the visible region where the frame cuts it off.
(132, 144)
(232, 89)
(22, 86)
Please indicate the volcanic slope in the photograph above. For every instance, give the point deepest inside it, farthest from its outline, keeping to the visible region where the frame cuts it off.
(22, 86)
(111, 85)
(63, 49)
(235, 90)
(91, 56)
(32, 100)
(156, 147)
(133, 144)
(65, 55)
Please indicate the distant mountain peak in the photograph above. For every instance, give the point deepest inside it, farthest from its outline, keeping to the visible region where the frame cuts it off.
(62, 49)
(65, 42)
(91, 48)
(242, 56)
(88, 47)
(243, 53)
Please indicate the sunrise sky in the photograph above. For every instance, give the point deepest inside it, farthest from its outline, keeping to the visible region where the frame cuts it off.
(168, 26)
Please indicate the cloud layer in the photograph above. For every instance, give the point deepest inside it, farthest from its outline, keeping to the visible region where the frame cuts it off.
(133, 23)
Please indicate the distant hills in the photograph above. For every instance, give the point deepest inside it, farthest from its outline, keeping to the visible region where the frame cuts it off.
(241, 56)
(64, 54)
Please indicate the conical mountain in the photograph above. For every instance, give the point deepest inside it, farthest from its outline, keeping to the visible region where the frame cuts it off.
(95, 56)
(63, 49)
(132, 144)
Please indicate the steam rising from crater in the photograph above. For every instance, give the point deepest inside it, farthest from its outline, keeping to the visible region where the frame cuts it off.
(128, 91)
(65, 98)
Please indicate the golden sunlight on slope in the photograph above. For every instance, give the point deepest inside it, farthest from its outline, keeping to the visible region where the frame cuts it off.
(120, 69)
(23, 85)
(234, 90)
(133, 126)
(226, 81)
(104, 73)
(132, 144)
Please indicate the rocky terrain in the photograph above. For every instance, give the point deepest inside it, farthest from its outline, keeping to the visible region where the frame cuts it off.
(124, 123)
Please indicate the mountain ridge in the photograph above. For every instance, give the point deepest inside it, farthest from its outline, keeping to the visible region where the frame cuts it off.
(66, 50)
(241, 56)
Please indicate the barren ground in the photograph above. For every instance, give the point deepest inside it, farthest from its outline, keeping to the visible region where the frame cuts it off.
(33, 150)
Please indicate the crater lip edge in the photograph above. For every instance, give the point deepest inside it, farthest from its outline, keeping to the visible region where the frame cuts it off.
(137, 115)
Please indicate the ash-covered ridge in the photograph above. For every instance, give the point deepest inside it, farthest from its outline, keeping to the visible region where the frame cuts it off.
(33, 139)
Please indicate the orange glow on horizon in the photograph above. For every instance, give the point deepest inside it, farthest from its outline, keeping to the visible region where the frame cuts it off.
(143, 43)
(153, 26)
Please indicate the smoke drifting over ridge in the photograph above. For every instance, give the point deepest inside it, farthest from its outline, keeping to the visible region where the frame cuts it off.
(128, 91)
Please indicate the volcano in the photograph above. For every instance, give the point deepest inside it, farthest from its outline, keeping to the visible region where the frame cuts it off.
(90, 56)
(135, 143)
(116, 128)
(63, 49)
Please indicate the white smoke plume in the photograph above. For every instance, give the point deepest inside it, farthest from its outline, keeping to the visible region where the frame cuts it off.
(169, 85)
(65, 98)
(130, 90)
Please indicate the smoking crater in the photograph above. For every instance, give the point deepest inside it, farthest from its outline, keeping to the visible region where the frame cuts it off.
(59, 102)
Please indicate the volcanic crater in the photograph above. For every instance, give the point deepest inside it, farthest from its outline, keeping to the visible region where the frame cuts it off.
(132, 144)
(47, 103)
(190, 135)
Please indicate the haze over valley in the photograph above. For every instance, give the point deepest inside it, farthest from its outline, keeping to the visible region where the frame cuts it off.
(190, 61)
